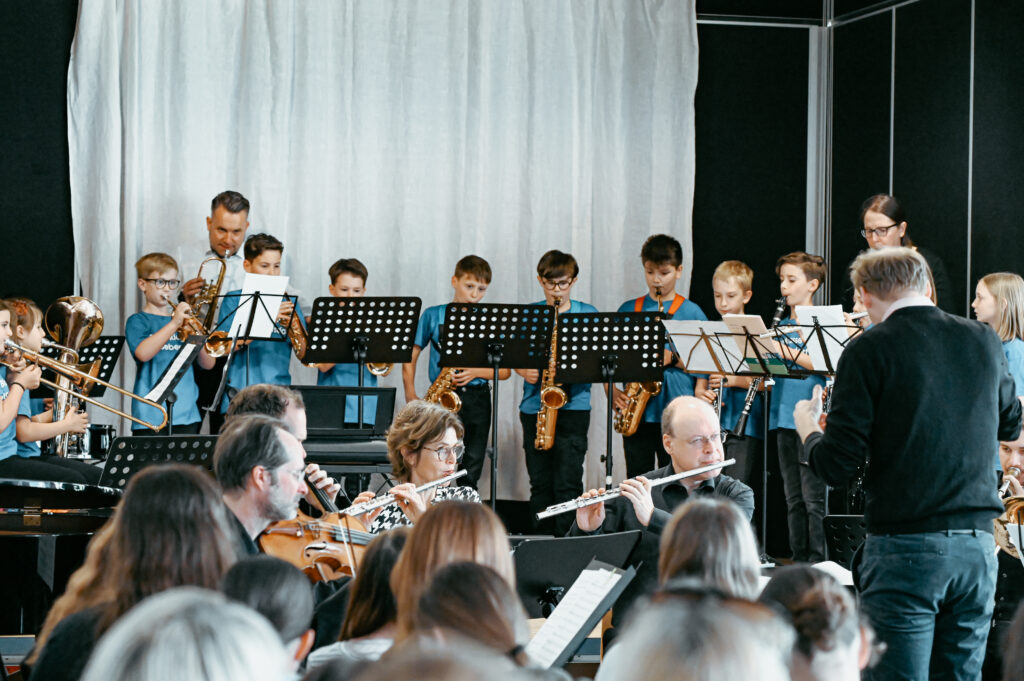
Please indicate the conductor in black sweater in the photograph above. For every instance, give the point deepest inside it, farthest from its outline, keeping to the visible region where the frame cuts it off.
(920, 401)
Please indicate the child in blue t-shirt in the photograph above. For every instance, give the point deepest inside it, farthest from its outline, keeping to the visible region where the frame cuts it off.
(469, 282)
(556, 473)
(260, 361)
(999, 303)
(662, 259)
(152, 337)
(14, 383)
(800, 275)
(348, 280)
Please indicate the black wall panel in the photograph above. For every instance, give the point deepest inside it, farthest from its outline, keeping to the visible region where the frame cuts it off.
(35, 200)
(998, 193)
(860, 136)
(931, 130)
(751, 148)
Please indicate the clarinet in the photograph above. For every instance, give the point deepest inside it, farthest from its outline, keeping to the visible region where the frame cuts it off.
(755, 383)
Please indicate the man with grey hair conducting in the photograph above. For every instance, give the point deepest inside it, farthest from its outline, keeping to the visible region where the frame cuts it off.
(920, 400)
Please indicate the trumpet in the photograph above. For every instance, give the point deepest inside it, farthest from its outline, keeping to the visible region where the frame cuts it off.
(388, 499)
(207, 296)
(80, 378)
(379, 368)
(217, 344)
(616, 492)
(1012, 473)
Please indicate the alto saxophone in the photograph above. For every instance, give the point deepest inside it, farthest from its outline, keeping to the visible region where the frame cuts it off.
(297, 334)
(637, 395)
(552, 398)
(442, 391)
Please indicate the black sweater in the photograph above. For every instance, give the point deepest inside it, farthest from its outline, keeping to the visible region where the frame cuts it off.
(926, 396)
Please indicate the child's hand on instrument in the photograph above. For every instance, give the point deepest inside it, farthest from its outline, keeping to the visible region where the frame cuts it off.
(530, 375)
(27, 377)
(462, 377)
(284, 312)
(75, 422)
(619, 400)
(181, 312)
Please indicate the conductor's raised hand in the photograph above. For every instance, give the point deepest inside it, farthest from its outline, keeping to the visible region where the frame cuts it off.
(589, 518)
(638, 492)
(807, 415)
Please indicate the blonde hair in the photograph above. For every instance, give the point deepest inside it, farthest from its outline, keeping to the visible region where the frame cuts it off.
(24, 313)
(450, 532)
(734, 269)
(418, 423)
(1008, 290)
(888, 271)
(154, 262)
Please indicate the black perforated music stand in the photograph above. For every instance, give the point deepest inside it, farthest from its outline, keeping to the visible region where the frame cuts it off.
(604, 347)
(105, 348)
(129, 455)
(360, 330)
(495, 336)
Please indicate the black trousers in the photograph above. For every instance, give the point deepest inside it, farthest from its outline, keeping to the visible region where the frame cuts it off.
(55, 468)
(748, 452)
(556, 474)
(476, 419)
(208, 380)
(643, 448)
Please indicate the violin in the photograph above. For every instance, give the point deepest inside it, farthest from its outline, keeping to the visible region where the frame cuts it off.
(324, 548)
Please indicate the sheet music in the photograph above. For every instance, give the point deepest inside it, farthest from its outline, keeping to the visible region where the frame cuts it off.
(693, 350)
(570, 615)
(184, 356)
(829, 318)
(271, 289)
(754, 325)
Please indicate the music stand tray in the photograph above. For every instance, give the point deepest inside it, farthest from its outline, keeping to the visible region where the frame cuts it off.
(129, 455)
(360, 330)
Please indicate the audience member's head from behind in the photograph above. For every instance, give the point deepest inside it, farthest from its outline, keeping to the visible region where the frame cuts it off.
(260, 466)
(702, 637)
(474, 602)
(451, 532)
(886, 275)
(371, 606)
(692, 436)
(280, 592)
(193, 634)
(415, 435)
(170, 529)
(271, 400)
(711, 540)
(833, 642)
(423, 660)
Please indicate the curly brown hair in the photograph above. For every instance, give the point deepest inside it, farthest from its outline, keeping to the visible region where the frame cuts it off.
(418, 423)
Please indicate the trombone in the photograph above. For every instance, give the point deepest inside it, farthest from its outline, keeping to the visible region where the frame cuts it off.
(81, 379)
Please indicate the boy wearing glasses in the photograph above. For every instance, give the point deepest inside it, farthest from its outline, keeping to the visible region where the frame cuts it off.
(152, 338)
(556, 474)
(662, 258)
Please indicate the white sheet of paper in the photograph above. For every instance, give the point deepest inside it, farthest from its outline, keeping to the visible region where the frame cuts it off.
(571, 613)
(830, 317)
(1014, 532)
(844, 576)
(754, 325)
(187, 350)
(271, 289)
(694, 353)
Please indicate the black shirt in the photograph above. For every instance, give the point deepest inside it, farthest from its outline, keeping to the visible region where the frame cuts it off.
(244, 544)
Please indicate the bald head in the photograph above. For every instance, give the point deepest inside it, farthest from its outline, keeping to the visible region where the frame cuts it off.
(685, 413)
(684, 420)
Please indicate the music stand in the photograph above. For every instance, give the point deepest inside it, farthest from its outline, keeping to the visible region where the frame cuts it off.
(604, 347)
(546, 567)
(163, 391)
(107, 349)
(129, 455)
(495, 336)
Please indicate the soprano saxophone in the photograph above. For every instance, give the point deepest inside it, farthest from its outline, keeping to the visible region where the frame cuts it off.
(552, 398)
(637, 395)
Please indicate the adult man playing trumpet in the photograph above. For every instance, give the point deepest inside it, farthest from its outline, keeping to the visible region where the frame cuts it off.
(693, 437)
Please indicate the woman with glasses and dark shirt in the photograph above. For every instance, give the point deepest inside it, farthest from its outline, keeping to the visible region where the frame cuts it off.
(424, 444)
(884, 224)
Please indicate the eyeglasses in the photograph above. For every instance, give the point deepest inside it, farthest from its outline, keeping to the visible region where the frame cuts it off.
(444, 452)
(698, 441)
(296, 473)
(878, 232)
(164, 283)
(562, 285)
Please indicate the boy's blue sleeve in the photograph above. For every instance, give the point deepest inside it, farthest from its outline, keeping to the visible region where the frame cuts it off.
(425, 329)
(135, 332)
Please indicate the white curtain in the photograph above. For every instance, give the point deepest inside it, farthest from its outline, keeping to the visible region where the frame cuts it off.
(405, 133)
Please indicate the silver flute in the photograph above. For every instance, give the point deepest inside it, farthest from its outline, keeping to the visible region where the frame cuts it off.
(616, 492)
(388, 499)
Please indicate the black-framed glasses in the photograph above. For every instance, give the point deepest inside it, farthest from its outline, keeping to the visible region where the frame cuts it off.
(445, 452)
(562, 285)
(878, 232)
(164, 283)
(698, 441)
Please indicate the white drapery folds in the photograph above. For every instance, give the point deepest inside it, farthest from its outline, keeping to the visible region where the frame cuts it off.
(406, 134)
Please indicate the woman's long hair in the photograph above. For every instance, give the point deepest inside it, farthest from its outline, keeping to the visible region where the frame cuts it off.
(170, 529)
(371, 605)
(1008, 290)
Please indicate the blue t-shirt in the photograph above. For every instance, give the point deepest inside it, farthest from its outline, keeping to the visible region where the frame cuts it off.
(1014, 351)
(29, 407)
(732, 406)
(578, 393)
(8, 443)
(675, 382)
(262, 361)
(138, 328)
(429, 333)
(345, 375)
(788, 391)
